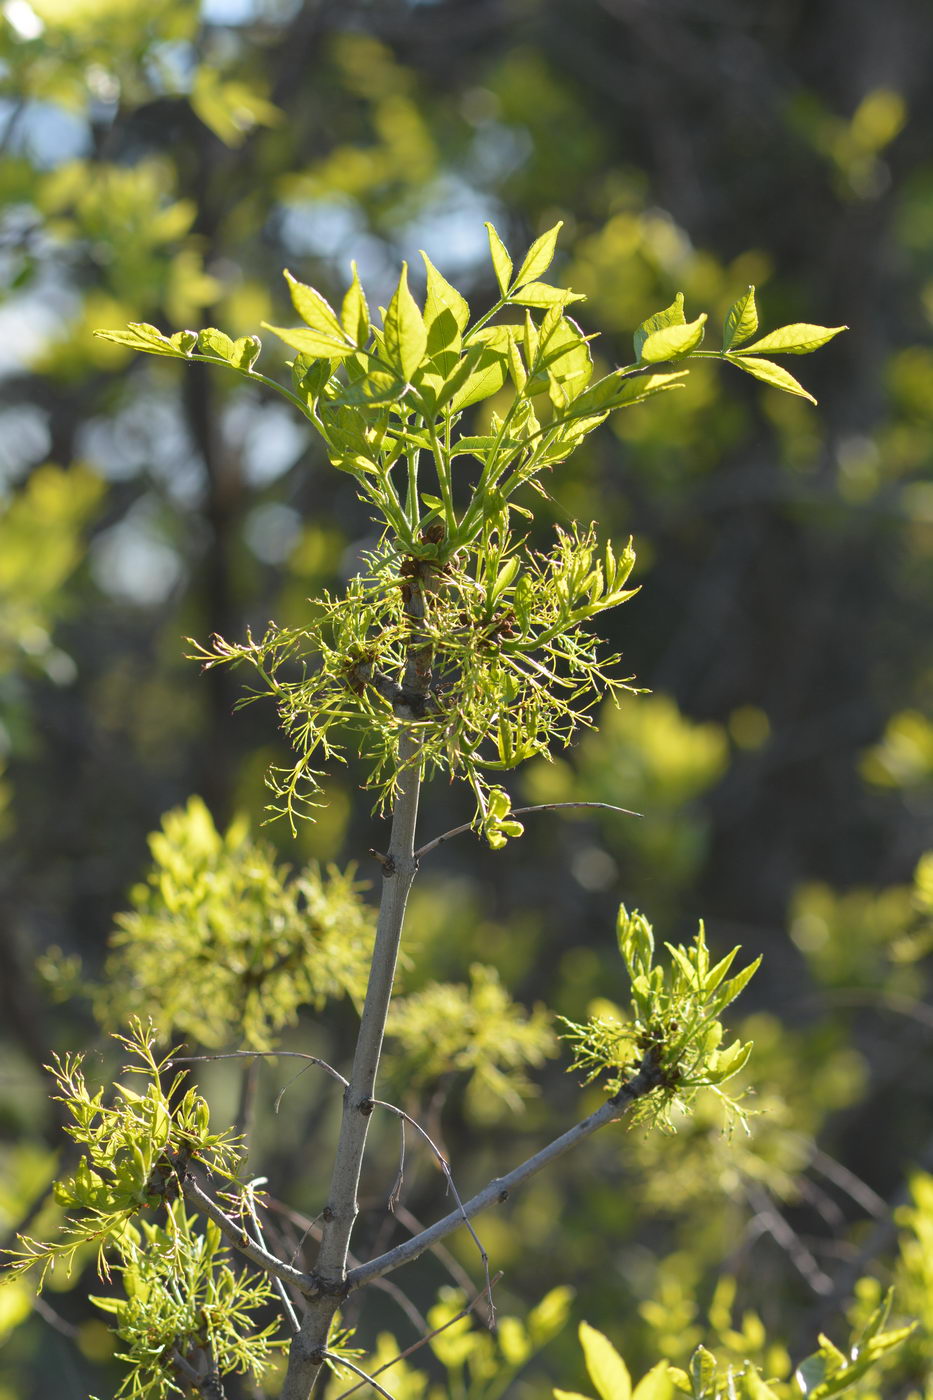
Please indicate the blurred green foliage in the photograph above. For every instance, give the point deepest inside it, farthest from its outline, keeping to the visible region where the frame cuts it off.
(162, 164)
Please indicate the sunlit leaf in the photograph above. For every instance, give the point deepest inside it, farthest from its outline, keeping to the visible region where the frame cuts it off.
(741, 320)
(770, 373)
(798, 339)
(672, 342)
(501, 262)
(539, 256)
(607, 1370)
(404, 330)
(354, 313)
(672, 315)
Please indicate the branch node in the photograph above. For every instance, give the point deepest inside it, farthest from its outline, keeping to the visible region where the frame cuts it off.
(387, 862)
(366, 1107)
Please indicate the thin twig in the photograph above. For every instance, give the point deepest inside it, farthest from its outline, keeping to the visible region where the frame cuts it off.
(395, 1194)
(367, 1380)
(445, 1168)
(248, 1193)
(847, 1181)
(54, 1319)
(788, 1239)
(243, 1122)
(428, 1337)
(240, 1239)
(522, 812)
(498, 1190)
(262, 1054)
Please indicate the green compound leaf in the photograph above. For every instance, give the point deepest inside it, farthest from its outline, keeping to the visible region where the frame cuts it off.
(446, 312)
(482, 371)
(539, 256)
(673, 342)
(312, 342)
(754, 1388)
(770, 373)
(607, 1370)
(354, 313)
(404, 330)
(541, 294)
(317, 314)
(497, 824)
(741, 320)
(656, 1385)
(139, 335)
(798, 339)
(185, 341)
(616, 391)
(672, 315)
(241, 353)
(501, 262)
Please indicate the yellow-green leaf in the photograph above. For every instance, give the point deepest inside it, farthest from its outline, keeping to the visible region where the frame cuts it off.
(770, 373)
(798, 339)
(310, 342)
(672, 342)
(446, 312)
(501, 262)
(741, 320)
(541, 294)
(539, 256)
(213, 342)
(246, 351)
(354, 314)
(672, 315)
(754, 1388)
(139, 335)
(185, 341)
(656, 1385)
(405, 335)
(314, 310)
(608, 1371)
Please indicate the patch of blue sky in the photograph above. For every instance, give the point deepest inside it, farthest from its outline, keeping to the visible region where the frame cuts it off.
(46, 133)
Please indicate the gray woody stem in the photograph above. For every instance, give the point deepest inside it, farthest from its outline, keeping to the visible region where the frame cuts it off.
(498, 1190)
(306, 1354)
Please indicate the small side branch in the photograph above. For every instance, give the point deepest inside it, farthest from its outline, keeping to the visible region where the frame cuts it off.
(422, 1341)
(445, 1168)
(521, 812)
(240, 1239)
(500, 1188)
(259, 1055)
(336, 1360)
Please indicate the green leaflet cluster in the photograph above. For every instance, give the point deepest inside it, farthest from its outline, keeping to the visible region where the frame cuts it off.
(187, 1311)
(223, 944)
(451, 1028)
(828, 1372)
(134, 1152)
(496, 633)
(674, 1021)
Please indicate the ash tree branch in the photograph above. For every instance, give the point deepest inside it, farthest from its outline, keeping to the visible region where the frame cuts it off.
(336, 1360)
(240, 1239)
(521, 812)
(498, 1190)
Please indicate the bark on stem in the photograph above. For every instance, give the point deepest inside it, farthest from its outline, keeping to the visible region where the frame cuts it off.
(499, 1189)
(306, 1354)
